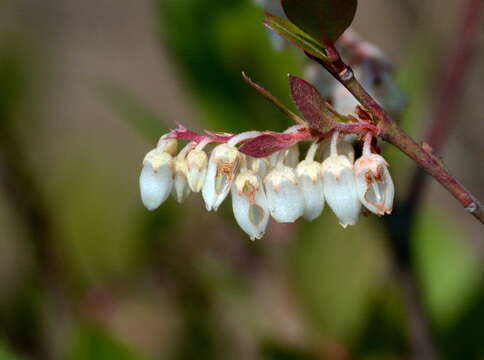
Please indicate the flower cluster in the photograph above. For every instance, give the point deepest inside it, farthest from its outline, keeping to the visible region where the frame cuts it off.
(273, 182)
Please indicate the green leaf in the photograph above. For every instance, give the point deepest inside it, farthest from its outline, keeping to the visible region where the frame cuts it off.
(324, 20)
(293, 34)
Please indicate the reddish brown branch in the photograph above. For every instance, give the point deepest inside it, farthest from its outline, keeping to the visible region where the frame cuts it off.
(392, 133)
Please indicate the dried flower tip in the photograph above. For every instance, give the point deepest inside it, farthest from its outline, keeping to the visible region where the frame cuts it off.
(286, 202)
(374, 184)
(156, 179)
(311, 185)
(181, 190)
(340, 189)
(249, 204)
(197, 161)
(167, 145)
(222, 169)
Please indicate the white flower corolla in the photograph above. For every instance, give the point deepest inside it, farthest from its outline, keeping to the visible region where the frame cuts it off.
(374, 183)
(308, 173)
(156, 179)
(197, 161)
(286, 201)
(273, 159)
(222, 168)
(167, 145)
(340, 186)
(249, 204)
(260, 166)
(181, 190)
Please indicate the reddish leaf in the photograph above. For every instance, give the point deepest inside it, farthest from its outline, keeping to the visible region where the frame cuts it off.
(267, 144)
(311, 104)
(325, 20)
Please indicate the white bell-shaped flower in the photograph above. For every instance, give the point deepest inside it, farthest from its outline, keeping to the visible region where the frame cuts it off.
(340, 186)
(181, 190)
(197, 161)
(286, 201)
(311, 184)
(249, 204)
(373, 182)
(156, 179)
(222, 169)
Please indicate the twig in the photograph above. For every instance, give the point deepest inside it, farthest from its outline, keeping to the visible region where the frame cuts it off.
(393, 134)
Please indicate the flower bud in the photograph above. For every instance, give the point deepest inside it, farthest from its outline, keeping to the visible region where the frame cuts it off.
(249, 204)
(340, 189)
(374, 184)
(156, 179)
(311, 185)
(286, 202)
(181, 190)
(197, 161)
(222, 168)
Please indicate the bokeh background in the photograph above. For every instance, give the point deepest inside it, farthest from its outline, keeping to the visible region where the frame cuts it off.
(86, 88)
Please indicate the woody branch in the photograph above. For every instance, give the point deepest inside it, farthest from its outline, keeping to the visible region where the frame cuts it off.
(392, 133)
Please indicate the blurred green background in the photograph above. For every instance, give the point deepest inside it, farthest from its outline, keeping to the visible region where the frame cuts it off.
(86, 88)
